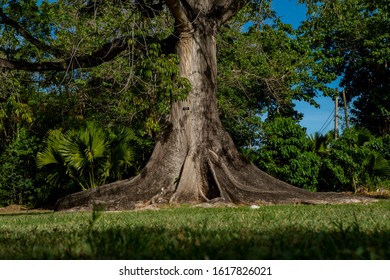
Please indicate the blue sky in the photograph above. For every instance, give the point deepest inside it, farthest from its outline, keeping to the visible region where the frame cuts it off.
(314, 119)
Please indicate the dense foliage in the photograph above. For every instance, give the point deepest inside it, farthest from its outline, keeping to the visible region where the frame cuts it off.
(284, 152)
(20, 181)
(356, 161)
(134, 90)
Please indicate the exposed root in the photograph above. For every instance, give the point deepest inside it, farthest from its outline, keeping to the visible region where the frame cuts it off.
(251, 185)
(214, 180)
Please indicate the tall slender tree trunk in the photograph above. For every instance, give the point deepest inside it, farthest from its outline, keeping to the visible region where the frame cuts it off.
(196, 160)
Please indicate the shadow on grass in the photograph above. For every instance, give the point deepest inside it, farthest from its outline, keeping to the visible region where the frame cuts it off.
(192, 243)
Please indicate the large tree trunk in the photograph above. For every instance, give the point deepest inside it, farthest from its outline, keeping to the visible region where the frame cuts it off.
(196, 160)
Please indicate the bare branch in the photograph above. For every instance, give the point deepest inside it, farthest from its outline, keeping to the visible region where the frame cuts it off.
(108, 52)
(150, 11)
(224, 10)
(40, 45)
(30, 66)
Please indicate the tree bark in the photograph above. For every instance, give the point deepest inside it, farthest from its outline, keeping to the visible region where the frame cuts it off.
(196, 160)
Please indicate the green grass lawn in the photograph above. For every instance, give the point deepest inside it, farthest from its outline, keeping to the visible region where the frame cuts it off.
(270, 232)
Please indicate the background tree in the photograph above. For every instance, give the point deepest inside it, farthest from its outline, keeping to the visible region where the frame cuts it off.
(262, 68)
(350, 39)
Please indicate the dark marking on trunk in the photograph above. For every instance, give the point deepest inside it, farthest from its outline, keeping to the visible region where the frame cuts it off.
(213, 189)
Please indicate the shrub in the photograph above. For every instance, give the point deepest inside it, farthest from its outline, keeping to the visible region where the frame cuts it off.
(284, 153)
(356, 160)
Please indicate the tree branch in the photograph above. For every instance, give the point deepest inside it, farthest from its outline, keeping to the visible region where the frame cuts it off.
(224, 10)
(181, 13)
(40, 45)
(108, 52)
(150, 11)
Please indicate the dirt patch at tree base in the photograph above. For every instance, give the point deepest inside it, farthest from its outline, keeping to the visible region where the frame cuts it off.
(17, 209)
(379, 194)
(372, 197)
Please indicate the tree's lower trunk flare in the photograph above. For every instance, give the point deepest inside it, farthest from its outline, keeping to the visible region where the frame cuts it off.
(215, 172)
(196, 160)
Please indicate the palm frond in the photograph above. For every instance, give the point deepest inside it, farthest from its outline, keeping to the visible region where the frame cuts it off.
(95, 140)
(72, 149)
(52, 159)
(381, 167)
(51, 154)
(363, 136)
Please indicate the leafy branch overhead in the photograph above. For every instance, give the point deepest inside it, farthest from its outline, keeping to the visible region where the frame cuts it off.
(115, 43)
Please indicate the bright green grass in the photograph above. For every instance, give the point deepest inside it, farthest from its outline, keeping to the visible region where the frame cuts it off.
(271, 232)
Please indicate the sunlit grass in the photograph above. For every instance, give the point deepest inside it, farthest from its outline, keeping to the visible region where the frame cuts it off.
(270, 232)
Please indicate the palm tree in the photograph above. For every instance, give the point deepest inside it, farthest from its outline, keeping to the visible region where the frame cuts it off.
(85, 151)
(88, 156)
(379, 170)
(320, 143)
